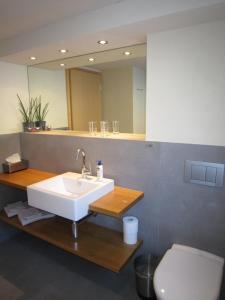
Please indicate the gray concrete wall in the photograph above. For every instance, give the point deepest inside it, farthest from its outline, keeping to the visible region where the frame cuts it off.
(9, 144)
(172, 210)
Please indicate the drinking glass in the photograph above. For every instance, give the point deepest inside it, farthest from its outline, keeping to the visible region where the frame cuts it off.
(104, 127)
(116, 127)
(92, 125)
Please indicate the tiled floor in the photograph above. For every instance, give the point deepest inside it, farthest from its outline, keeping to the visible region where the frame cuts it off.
(32, 269)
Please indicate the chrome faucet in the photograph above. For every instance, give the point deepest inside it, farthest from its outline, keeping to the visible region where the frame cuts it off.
(84, 171)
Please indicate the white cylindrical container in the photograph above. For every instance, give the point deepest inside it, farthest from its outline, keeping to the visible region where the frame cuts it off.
(99, 169)
(130, 230)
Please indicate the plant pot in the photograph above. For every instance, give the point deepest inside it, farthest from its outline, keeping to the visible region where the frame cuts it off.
(28, 126)
(41, 125)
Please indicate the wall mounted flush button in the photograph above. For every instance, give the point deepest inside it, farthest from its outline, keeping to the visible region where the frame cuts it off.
(211, 174)
(204, 173)
(198, 172)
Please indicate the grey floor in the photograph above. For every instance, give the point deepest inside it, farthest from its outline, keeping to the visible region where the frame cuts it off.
(33, 269)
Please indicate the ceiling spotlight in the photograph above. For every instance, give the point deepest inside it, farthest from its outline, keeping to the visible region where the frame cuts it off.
(91, 59)
(62, 65)
(33, 58)
(127, 53)
(102, 42)
(63, 50)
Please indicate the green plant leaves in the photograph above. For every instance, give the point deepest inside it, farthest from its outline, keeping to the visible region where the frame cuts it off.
(41, 112)
(33, 111)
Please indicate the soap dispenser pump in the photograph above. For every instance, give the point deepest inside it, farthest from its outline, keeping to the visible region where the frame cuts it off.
(99, 169)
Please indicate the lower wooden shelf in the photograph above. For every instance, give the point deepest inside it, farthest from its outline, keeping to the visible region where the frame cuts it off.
(95, 243)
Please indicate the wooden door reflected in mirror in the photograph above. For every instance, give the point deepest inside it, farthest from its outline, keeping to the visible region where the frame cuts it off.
(84, 98)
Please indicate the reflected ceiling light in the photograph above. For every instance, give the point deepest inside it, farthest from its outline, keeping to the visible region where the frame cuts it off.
(102, 42)
(33, 58)
(91, 59)
(62, 65)
(127, 53)
(63, 50)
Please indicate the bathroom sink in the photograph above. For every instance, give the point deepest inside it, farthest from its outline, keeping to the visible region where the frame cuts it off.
(68, 195)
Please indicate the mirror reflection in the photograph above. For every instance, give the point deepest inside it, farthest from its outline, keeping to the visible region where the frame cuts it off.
(109, 85)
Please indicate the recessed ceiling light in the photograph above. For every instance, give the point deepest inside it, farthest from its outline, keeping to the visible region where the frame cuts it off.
(62, 65)
(63, 50)
(127, 53)
(102, 42)
(33, 58)
(91, 59)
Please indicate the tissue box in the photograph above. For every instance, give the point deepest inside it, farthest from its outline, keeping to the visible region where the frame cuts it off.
(11, 168)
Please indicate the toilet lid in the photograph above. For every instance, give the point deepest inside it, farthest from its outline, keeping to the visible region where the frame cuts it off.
(186, 273)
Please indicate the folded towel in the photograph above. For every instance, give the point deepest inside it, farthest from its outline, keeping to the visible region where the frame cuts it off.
(31, 214)
(13, 209)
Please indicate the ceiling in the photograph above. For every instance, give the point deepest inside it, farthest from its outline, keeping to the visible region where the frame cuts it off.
(41, 27)
(139, 62)
(22, 16)
(102, 60)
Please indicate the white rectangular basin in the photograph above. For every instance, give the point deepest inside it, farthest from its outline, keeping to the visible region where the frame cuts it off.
(68, 195)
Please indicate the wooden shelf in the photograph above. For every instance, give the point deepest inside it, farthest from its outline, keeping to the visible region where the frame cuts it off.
(113, 204)
(97, 244)
(100, 245)
(120, 136)
(117, 202)
(22, 179)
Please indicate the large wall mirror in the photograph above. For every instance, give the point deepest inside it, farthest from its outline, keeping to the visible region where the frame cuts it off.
(108, 85)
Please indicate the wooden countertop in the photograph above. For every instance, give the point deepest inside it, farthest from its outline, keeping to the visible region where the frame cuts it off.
(114, 204)
(100, 245)
(22, 179)
(117, 202)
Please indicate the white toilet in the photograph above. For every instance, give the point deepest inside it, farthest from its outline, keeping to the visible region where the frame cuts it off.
(186, 273)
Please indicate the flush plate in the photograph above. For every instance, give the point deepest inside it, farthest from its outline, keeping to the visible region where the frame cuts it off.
(205, 173)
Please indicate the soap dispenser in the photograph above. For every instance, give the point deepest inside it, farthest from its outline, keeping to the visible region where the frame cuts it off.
(99, 169)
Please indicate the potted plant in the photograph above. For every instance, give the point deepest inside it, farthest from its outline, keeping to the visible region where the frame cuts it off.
(40, 114)
(28, 113)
